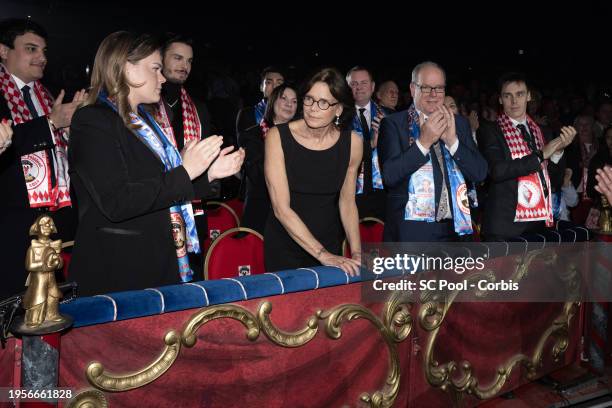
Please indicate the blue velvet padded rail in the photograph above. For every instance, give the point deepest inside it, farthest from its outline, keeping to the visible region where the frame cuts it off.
(139, 303)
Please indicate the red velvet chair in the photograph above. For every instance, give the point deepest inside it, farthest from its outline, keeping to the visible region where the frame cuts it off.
(221, 217)
(236, 252)
(370, 230)
(236, 205)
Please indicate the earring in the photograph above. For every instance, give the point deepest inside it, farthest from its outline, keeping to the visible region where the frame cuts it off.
(337, 122)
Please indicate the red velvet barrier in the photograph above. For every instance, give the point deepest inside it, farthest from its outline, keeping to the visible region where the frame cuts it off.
(487, 335)
(225, 369)
(9, 366)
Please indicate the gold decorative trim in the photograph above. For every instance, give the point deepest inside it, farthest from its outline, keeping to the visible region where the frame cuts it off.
(107, 381)
(394, 326)
(88, 399)
(190, 330)
(432, 314)
(282, 338)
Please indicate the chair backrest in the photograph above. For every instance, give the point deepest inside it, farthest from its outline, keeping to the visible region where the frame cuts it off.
(370, 231)
(236, 205)
(236, 252)
(220, 218)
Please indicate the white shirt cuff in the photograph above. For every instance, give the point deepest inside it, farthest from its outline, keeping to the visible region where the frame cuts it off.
(422, 149)
(556, 157)
(454, 147)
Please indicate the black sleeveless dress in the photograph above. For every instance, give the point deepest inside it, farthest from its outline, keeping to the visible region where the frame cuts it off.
(315, 179)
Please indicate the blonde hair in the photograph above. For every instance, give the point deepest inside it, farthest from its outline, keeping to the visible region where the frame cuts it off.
(108, 72)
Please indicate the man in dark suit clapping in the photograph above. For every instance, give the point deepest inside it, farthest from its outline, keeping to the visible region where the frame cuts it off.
(427, 145)
(523, 167)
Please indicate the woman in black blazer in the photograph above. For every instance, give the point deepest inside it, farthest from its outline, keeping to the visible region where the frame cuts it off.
(132, 186)
(281, 108)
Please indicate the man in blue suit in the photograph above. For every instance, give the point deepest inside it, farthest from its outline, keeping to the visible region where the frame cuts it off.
(370, 198)
(426, 144)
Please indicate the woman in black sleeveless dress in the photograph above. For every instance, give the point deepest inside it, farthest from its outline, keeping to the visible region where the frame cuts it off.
(310, 168)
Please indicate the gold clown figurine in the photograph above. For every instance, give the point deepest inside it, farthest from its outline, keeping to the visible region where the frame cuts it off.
(605, 217)
(43, 258)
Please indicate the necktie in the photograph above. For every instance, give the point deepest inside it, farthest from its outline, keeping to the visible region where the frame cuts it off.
(532, 146)
(28, 101)
(443, 205)
(367, 153)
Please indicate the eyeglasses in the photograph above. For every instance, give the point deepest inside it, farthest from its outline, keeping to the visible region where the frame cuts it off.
(429, 89)
(321, 103)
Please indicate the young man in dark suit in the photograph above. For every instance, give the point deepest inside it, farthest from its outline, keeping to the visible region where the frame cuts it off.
(33, 169)
(523, 166)
(271, 77)
(427, 143)
(186, 120)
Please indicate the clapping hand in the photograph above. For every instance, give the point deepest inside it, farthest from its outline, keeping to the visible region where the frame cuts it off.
(6, 135)
(227, 164)
(432, 129)
(567, 136)
(449, 136)
(604, 182)
(61, 114)
(199, 154)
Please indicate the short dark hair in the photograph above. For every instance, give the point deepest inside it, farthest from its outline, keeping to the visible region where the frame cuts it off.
(359, 68)
(271, 68)
(339, 90)
(508, 77)
(171, 38)
(13, 27)
(276, 93)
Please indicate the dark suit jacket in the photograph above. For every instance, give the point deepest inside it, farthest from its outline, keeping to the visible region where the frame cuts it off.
(257, 201)
(16, 216)
(400, 159)
(177, 122)
(245, 119)
(502, 192)
(124, 239)
(28, 137)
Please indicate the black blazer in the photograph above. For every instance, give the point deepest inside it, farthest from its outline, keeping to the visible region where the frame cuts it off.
(124, 239)
(245, 119)
(400, 159)
(257, 200)
(502, 190)
(177, 123)
(29, 137)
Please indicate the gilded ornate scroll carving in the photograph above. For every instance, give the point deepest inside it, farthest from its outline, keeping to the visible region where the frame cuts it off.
(394, 326)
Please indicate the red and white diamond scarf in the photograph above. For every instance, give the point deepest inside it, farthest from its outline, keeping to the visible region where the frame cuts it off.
(192, 130)
(532, 205)
(37, 166)
(191, 121)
